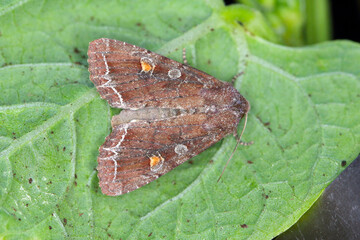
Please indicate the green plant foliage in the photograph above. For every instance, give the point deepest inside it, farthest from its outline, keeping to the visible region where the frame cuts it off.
(304, 121)
(294, 22)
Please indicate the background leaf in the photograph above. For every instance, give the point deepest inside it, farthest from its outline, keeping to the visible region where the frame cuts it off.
(294, 22)
(304, 122)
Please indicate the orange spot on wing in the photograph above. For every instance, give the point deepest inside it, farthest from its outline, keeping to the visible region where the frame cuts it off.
(154, 160)
(145, 66)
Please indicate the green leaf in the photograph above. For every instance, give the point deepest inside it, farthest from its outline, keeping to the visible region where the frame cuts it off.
(304, 122)
(252, 19)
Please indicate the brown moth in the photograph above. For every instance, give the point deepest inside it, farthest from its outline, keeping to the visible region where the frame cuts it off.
(171, 112)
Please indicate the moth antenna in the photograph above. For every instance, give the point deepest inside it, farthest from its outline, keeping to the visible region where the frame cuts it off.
(237, 144)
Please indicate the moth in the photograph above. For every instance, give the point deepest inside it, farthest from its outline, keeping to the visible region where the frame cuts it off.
(171, 112)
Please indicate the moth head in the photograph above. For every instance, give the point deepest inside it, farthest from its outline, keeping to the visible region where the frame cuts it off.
(238, 102)
(242, 104)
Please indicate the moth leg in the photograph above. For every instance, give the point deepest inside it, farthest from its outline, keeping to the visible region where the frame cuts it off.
(184, 57)
(235, 77)
(243, 143)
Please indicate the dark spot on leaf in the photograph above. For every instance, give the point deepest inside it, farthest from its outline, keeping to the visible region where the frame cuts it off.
(14, 209)
(30, 180)
(75, 175)
(212, 29)
(50, 227)
(14, 138)
(64, 148)
(19, 219)
(138, 24)
(92, 18)
(209, 61)
(179, 19)
(250, 162)
(77, 63)
(244, 226)
(150, 234)
(76, 50)
(75, 183)
(14, 174)
(266, 196)
(80, 214)
(187, 220)
(211, 161)
(343, 163)
(26, 205)
(173, 182)
(52, 132)
(240, 23)
(266, 124)
(191, 162)
(340, 134)
(13, 133)
(65, 221)
(323, 174)
(50, 182)
(309, 95)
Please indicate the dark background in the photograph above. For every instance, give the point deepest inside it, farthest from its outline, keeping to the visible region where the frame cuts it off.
(345, 17)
